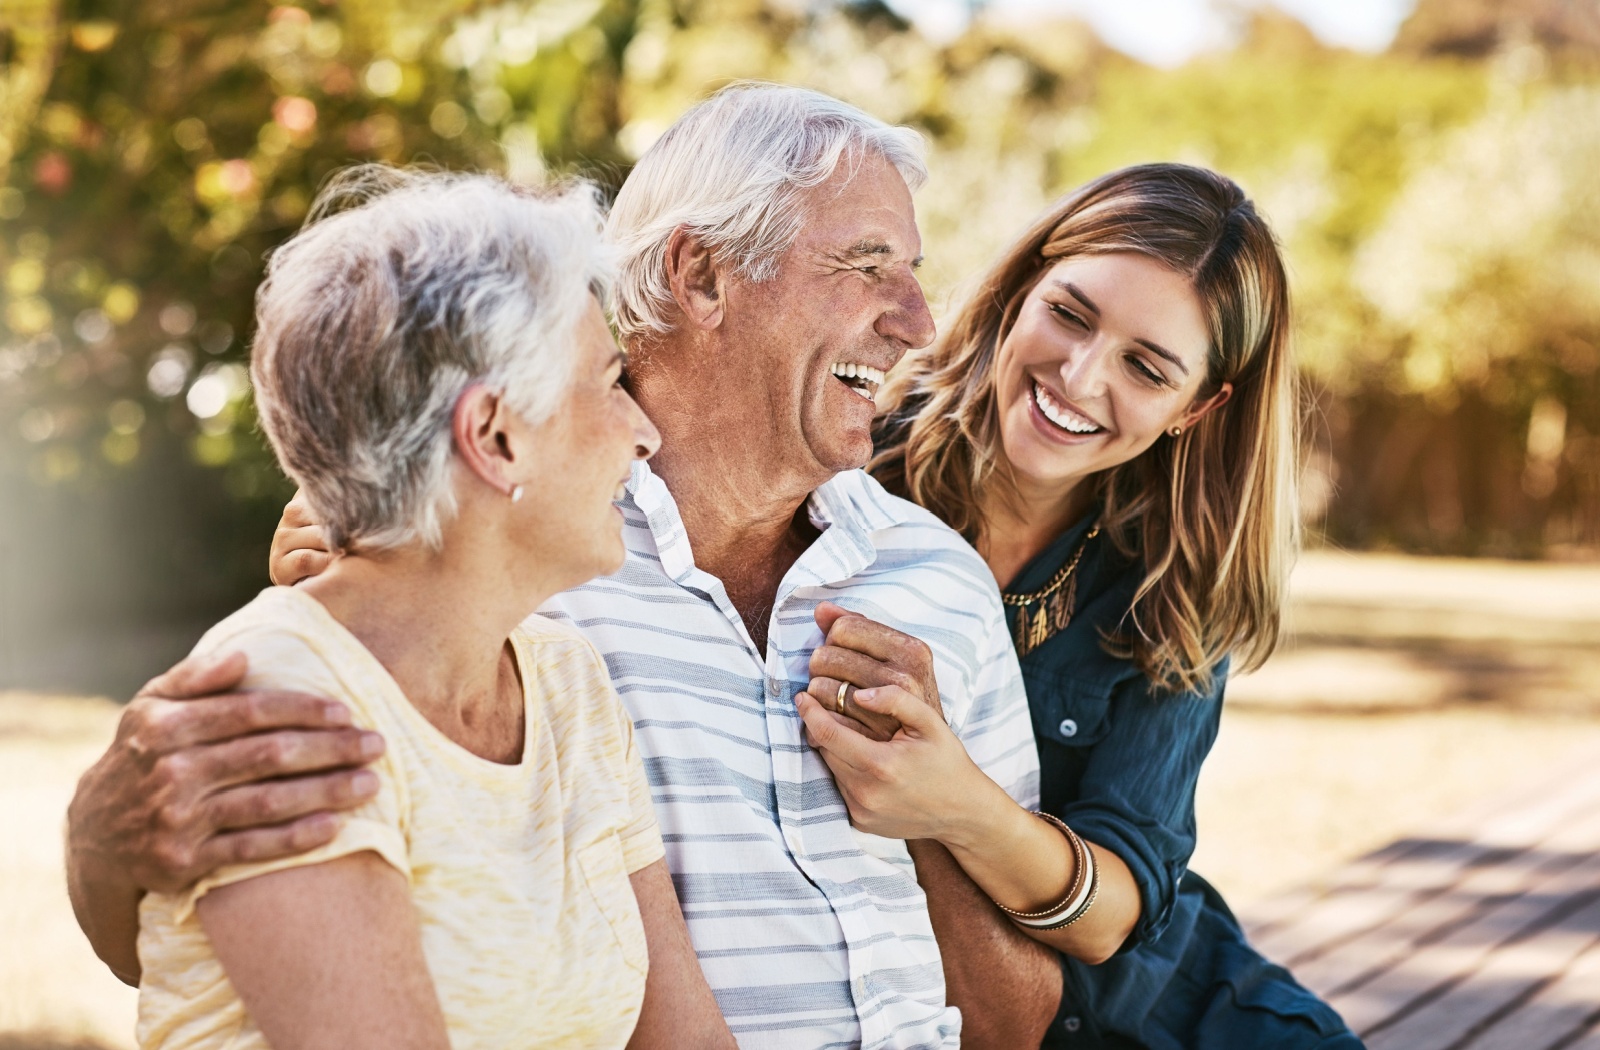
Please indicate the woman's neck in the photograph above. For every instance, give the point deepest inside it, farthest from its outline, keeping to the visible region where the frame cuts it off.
(1021, 518)
(439, 623)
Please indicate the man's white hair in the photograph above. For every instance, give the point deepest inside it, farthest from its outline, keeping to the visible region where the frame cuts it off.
(405, 288)
(733, 171)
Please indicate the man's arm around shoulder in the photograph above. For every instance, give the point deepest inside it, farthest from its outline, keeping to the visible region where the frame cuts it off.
(200, 776)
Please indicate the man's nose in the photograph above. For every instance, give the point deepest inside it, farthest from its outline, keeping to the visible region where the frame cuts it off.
(646, 438)
(907, 320)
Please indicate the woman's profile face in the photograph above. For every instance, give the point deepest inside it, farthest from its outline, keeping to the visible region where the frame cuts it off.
(585, 453)
(1107, 353)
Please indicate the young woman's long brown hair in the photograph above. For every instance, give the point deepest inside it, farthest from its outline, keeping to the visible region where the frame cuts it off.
(1210, 513)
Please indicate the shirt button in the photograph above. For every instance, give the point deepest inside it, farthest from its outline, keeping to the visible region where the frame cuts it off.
(1071, 1024)
(1068, 727)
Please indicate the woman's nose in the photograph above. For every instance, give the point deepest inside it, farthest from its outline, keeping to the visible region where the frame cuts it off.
(1083, 369)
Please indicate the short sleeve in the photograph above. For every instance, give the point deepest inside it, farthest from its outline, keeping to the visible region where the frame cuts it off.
(641, 837)
(998, 728)
(640, 834)
(1136, 797)
(280, 659)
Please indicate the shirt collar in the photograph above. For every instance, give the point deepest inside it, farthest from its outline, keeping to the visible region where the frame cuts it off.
(846, 509)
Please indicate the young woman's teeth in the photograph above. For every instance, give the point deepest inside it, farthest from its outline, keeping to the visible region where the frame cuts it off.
(1061, 415)
(863, 379)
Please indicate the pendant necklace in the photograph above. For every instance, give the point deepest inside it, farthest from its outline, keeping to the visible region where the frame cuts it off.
(1047, 611)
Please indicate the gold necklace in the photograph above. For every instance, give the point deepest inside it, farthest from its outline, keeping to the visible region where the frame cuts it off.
(1035, 626)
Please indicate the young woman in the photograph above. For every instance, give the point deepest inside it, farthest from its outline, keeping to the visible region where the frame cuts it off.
(432, 368)
(1111, 420)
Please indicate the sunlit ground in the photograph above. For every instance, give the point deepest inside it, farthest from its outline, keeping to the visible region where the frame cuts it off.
(1413, 690)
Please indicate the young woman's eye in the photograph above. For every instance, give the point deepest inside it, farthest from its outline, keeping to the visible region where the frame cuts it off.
(1145, 371)
(1067, 315)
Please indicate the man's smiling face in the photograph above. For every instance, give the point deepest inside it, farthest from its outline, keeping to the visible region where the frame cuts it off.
(815, 340)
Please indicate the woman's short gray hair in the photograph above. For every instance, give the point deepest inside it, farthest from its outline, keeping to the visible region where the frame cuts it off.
(404, 288)
(733, 171)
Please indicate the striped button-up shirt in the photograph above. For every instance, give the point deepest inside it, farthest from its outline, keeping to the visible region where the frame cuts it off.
(811, 933)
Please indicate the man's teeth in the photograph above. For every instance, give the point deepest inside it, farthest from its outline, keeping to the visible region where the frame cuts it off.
(1061, 415)
(866, 378)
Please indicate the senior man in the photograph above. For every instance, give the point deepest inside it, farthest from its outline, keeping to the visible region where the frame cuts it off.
(768, 245)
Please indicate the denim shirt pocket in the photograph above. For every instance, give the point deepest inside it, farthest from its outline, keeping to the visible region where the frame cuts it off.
(1071, 709)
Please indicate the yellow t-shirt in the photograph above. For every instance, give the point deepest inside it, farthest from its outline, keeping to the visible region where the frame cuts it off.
(519, 873)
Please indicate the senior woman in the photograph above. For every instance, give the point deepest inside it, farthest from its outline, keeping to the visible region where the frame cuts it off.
(433, 367)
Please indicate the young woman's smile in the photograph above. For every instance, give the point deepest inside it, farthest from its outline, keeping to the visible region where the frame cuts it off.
(1107, 353)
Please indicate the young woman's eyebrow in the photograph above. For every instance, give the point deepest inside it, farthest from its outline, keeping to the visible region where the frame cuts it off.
(1155, 348)
(1161, 351)
(1078, 294)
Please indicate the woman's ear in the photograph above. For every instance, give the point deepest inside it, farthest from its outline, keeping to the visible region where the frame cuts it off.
(1200, 409)
(486, 434)
(695, 278)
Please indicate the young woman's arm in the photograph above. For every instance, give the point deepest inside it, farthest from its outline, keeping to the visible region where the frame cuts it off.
(328, 956)
(679, 1010)
(921, 784)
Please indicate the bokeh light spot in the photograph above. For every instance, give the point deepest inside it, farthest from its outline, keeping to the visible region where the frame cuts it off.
(383, 78)
(169, 371)
(121, 302)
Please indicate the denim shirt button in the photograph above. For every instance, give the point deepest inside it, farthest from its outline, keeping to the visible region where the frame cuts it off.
(1068, 727)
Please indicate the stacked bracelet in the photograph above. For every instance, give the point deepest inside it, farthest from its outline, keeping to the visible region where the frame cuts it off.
(1080, 895)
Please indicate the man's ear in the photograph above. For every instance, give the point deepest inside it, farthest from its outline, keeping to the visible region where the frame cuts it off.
(482, 428)
(696, 279)
(1200, 409)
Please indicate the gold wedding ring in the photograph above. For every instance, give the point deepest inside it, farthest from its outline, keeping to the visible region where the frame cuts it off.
(838, 702)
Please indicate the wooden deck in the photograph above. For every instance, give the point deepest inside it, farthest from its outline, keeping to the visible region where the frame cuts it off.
(1481, 934)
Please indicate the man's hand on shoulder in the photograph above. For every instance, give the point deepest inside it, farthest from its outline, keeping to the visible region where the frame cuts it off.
(200, 776)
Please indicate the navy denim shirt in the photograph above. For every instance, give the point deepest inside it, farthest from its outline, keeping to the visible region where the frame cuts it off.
(1119, 762)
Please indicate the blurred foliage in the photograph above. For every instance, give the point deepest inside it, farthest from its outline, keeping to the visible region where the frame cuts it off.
(1438, 204)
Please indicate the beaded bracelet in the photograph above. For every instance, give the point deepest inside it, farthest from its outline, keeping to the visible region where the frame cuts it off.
(1080, 895)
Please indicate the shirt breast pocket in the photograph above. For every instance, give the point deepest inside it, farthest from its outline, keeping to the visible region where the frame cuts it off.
(1073, 711)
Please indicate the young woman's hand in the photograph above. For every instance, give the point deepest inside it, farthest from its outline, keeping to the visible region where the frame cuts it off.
(298, 550)
(919, 783)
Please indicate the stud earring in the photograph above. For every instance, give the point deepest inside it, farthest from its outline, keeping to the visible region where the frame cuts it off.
(516, 493)
(1175, 431)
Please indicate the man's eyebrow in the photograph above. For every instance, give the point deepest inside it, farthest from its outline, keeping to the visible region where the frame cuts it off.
(1155, 348)
(870, 248)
